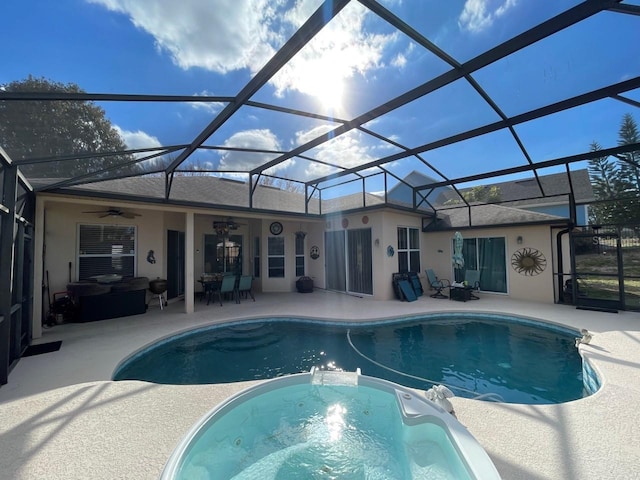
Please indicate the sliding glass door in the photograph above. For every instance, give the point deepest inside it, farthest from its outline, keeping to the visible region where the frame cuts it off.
(222, 253)
(488, 255)
(348, 265)
(336, 269)
(359, 269)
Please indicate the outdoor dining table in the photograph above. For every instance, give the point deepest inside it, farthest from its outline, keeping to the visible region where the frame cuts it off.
(210, 284)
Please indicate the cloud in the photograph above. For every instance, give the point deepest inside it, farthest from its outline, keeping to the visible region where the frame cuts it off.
(347, 150)
(261, 139)
(221, 36)
(138, 139)
(336, 53)
(231, 35)
(399, 61)
(209, 107)
(304, 136)
(478, 15)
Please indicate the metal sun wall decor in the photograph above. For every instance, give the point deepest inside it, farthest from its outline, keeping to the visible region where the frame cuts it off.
(528, 261)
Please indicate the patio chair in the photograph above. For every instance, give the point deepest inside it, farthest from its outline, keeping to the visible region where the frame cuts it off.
(437, 284)
(244, 287)
(227, 285)
(472, 277)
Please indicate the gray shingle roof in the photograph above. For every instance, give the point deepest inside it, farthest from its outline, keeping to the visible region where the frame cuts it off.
(200, 190)
(525, 192)
(488, 216)
(222, 192)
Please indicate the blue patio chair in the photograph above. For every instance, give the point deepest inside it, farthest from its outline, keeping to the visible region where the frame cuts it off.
(437, 284)
(227, 285)
(244, 287)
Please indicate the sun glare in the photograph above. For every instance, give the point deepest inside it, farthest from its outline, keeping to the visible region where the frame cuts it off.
(326, 84)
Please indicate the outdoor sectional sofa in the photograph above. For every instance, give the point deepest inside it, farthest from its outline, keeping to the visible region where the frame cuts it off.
(96, 301)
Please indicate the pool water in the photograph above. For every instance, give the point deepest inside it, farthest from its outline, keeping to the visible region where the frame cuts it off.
(473, 355)
(304, 432)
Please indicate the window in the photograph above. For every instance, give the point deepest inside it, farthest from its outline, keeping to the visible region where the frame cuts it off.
(106, 250)
(488, 255)
(275, 257)
(408, 249)
(256, 257)
(299, 255)
(222, 253)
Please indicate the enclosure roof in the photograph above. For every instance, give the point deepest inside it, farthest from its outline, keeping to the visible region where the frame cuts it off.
(338, 100)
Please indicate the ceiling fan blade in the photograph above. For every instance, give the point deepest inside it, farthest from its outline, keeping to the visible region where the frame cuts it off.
(102, 216)
(130, 215)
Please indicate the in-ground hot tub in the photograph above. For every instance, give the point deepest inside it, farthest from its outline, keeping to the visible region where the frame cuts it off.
(328, 424)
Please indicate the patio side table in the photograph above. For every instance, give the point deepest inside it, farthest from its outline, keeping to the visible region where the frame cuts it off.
(461, 294)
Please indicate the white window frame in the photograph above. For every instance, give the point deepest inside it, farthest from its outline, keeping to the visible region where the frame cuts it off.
(80, 254)
(275, 256)
(300, 256)
(409, 250)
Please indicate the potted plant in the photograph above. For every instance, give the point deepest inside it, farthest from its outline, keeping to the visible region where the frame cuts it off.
(304, 284)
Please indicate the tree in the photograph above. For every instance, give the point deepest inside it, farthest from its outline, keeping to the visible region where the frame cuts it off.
(281, 183)
(483, 194)
(630, 162)
(605, 184)
(33, 129)
(616, 183)
(479, 194)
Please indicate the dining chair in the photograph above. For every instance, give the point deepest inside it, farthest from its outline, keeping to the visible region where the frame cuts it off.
(244, 287)
(227, 285)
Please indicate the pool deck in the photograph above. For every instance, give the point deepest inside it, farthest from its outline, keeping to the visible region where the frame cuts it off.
(61, 417)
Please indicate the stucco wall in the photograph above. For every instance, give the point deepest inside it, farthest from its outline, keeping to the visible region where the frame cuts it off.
(313, 268)
(61, 240)
(438, 250)
(390, 223)
(62, 218)
(383, 225)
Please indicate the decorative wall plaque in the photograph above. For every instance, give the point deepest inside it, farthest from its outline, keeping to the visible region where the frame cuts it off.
(528, 261)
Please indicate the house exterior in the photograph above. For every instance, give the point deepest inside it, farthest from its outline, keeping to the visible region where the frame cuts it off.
(353, 250)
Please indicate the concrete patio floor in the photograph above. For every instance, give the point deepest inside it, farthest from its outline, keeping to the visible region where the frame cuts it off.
(61, 417)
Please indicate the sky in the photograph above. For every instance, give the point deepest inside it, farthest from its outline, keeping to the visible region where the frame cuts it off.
(357, 62)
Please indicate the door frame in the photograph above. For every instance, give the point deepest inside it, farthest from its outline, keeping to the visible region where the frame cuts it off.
(582, 299)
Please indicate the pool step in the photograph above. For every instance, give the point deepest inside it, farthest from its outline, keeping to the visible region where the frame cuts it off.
(246, 340)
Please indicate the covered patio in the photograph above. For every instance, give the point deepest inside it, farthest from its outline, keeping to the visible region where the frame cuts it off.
(61, 416)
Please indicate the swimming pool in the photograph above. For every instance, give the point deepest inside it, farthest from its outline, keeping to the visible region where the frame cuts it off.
(517, 359)
(328, 425)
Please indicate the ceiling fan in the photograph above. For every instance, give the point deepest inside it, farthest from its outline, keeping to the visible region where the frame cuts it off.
(114, 212)
(225, 226)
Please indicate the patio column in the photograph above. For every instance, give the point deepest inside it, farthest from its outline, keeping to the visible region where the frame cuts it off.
(189, 287)
(38, 270)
